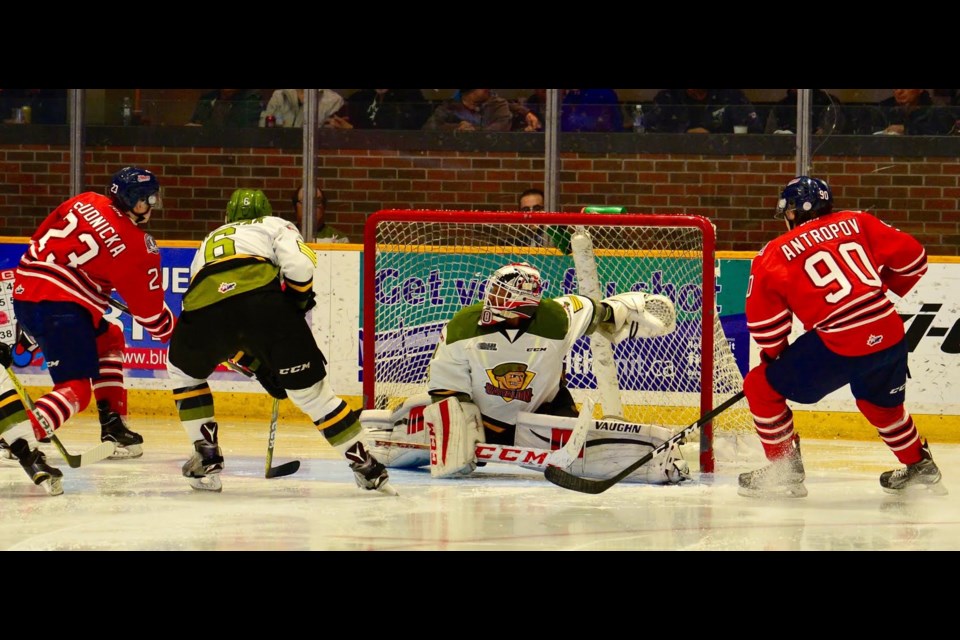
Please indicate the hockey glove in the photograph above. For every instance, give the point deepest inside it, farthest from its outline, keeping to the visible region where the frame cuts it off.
(267, 378)
(271, 382)
(305, 300)
(6, 355)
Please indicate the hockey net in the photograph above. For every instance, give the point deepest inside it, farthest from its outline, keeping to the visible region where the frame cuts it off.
(421, 267)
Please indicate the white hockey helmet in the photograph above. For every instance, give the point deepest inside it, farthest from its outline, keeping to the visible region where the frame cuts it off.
(512, 291)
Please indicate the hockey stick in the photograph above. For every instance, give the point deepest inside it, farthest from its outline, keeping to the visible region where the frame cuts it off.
(284, 469)
(96, 454)
(566, 480)
(603, 365)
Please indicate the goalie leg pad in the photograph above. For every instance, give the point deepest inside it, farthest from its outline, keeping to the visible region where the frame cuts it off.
(614, 445)
(455, 428)
(398, 439)
(611, 446)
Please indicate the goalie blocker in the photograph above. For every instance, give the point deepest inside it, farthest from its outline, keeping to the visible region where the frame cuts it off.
(402, 439)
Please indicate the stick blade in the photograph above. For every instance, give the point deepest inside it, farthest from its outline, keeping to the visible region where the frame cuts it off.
(566, 480)
(98, 453)
(285, 469)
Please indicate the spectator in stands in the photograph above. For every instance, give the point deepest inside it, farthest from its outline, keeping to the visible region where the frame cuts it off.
(911, 112)
(581, 109)
(537, 103)
(322, 232)
(531, 201)
(287, 108)
(387, 109)
(228, 108)
(826, 114)
(480, 110)
(701, 111)
(591, 110)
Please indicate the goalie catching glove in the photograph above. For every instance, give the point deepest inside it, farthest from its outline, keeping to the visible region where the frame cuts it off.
(637, 315)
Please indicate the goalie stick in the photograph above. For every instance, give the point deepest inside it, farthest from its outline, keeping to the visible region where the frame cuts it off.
(573, 482)
(96, 454)
(603, 364)
(285, 469)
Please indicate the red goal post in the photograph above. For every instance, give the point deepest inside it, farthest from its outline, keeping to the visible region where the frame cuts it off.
(420, 267)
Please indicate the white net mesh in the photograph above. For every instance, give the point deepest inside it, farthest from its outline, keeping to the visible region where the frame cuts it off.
(426, 269)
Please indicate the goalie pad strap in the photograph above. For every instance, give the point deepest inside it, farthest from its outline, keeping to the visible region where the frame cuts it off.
(454, 429)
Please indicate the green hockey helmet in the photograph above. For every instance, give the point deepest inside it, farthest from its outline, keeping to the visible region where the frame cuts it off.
(248, 204)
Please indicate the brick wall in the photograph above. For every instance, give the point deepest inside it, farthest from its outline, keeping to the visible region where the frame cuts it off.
(736, 189)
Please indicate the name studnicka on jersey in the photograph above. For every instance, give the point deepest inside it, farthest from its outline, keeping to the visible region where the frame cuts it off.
(811, 238)
(103, 228)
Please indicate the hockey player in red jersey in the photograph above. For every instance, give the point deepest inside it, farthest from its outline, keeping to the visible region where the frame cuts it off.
(831, 270)
(85, 249)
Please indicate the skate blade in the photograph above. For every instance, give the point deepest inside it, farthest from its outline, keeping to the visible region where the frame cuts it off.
(124, 453)
(206, 483)
(793, 491)
(387, 489)
(917, 490)
(53, 486)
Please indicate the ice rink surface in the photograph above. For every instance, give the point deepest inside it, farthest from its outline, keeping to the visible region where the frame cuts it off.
(146, 505)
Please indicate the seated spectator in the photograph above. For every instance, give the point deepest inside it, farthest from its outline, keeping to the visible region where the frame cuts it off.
(475, 110)
(701, 111)
(591, 110)
(537, 103)
(911, 112)
(228, 108)
(287, 108)
(322, 232)
(826, 115)
(404, 109)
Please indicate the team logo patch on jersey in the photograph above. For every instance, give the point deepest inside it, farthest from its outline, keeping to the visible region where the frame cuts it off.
(874, 340)
(151, 244)
(510, 381)
(226, 287)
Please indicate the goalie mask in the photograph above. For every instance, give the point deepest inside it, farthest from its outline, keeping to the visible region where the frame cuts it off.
(512, 291)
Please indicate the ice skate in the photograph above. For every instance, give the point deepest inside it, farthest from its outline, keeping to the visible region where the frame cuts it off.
(113, 428)
(369, 474)
(923, 475)
(203, 468)
(34, 462)
(781, 478)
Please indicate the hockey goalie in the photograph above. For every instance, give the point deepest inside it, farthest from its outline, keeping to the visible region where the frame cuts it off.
(497, 379)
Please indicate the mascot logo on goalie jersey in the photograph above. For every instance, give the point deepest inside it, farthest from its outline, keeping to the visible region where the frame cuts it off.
(510, 381)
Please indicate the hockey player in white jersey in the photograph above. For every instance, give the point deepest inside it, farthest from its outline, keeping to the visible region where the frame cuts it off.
(502, 359)
(251, 282)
